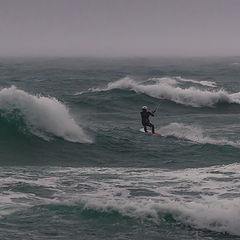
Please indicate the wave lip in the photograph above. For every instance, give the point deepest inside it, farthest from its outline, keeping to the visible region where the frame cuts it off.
(167, 88)
(42, 115)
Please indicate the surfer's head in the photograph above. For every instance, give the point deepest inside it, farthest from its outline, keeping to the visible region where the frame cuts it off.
(144, 108)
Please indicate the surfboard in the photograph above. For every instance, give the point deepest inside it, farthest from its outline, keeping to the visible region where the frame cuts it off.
(149, 132)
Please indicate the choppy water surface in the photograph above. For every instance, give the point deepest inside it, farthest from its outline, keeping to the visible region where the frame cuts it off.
(75, 165)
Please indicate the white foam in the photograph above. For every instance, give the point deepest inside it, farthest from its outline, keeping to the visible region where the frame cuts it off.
(193, 196)
(192, 133)
(214, 214)
(235, 64)
(124, 83)
(178, 80)
(166, 89)
(42, 114)
(205, 198)
(203, 83)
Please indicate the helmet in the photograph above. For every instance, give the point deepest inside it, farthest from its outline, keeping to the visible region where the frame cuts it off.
(144, 108)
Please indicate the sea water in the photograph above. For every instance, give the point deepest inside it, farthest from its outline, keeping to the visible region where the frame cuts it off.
(74, 164)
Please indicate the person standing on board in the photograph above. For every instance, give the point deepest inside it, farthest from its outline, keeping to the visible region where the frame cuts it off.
(145, 119)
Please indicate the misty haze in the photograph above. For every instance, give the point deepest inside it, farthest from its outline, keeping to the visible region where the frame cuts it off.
(119, 28)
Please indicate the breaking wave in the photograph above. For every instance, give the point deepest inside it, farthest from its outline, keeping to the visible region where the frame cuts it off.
(205, 198)
(169, 89)
(203, 83)
(192, 133)
(42, 115)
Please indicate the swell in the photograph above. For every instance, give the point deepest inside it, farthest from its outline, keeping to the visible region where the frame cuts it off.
(200, 94)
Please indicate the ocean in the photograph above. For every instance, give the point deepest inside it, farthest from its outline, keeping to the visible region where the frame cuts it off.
(74, 165)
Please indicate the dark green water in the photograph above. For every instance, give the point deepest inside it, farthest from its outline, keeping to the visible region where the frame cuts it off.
(75, 165)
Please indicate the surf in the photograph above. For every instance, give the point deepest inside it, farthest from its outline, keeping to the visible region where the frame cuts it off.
(170, 88)
(194, 134)
(43, 116)
(202, 198)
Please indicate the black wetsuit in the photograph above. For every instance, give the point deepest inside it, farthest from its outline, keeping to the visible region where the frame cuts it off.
(145, 120)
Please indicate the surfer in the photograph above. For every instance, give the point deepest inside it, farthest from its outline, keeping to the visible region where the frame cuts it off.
(145, 119)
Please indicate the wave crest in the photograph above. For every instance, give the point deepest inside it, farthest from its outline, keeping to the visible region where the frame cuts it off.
(167, 88)
(42, 114)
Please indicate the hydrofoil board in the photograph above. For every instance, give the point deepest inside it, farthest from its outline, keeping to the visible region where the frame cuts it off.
(149, 132)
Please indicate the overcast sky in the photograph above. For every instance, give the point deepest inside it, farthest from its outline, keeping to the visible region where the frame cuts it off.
(119, 27)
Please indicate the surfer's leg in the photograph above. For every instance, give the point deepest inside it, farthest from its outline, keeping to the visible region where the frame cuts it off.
(145, 128)
(152, 126)
(153, 129)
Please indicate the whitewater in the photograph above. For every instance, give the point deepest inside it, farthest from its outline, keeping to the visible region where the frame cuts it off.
(41, 114)
(169, 89)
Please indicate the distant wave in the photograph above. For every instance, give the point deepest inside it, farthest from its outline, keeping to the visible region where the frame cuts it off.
(203, 83)
(192, 133)
(178, 80)
(235, 64)
(43, 115)
(167, 88)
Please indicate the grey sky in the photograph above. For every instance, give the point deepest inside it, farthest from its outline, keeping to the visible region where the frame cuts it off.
(119, 27)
